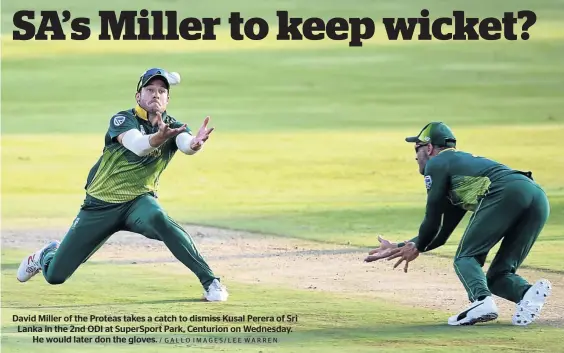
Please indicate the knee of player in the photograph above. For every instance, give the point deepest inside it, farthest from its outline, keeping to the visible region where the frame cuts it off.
(55, 280)
(157, 217)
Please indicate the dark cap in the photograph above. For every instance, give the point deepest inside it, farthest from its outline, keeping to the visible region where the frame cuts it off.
(435, 133)
(151, 74)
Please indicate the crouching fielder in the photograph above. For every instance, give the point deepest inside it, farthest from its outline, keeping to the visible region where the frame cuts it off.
(507, 205)
(121, 190)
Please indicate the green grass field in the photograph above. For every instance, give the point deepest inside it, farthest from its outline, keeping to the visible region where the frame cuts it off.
(309, 144)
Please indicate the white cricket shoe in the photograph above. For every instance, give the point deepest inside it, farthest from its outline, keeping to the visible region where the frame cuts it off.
(529, 308)
(216, 292)
(30, 265)
(479, 311)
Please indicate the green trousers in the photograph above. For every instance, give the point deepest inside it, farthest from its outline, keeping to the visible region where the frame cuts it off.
(97, 221)
(516, 213)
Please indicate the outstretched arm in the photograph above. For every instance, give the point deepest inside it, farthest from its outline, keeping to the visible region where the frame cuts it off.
(189, 144)
(142, 145)
(451, 218)
(436, 179)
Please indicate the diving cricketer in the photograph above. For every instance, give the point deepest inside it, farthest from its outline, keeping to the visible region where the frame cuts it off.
(507, 205)
(121, 190)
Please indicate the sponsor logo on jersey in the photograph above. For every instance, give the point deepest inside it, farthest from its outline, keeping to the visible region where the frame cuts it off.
(118, 120)
(428, 182)
(156, 153)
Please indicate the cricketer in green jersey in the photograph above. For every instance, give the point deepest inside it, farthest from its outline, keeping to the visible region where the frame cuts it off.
(507, 205)
(121, 190)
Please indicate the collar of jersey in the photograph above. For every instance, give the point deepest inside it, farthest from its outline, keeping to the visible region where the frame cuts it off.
(446, 149)
(142, 113)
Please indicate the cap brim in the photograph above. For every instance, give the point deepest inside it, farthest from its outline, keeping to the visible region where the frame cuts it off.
(411, 139)
(161, 76)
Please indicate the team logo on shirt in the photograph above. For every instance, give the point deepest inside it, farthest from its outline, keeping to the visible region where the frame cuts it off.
(118, 120)
(428, 182)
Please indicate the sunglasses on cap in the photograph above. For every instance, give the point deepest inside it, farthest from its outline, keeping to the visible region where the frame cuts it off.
(152, 73)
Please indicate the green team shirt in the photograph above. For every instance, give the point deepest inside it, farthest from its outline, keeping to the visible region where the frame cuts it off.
(456, 182)
(119, 174)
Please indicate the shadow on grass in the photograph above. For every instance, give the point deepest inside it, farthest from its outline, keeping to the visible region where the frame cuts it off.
(10, 266)
(164, 301)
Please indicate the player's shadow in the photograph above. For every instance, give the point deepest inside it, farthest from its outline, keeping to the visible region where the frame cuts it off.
(141, 302)
(10, 267)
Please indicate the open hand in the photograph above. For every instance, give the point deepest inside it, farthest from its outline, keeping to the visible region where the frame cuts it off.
(381, 252)
(202, 135)
(166, 131)
(406, 253)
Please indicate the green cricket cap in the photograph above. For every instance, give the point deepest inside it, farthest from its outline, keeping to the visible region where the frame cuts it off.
(151, 74)
(435, 133)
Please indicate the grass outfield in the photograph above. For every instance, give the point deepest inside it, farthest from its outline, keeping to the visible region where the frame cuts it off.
(377, 88)
(308, 144)
(325, 322)
(346, 196)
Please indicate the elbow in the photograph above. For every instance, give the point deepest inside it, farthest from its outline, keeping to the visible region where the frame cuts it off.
(140, 151)
(436, 245)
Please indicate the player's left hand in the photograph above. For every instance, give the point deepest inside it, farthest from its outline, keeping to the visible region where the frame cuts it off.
(406, 253)
(202, 136)
(384, 250)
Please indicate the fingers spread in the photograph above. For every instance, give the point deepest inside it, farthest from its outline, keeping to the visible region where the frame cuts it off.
(395, 255)
(399, 262)
(371, 258)
(206, 121)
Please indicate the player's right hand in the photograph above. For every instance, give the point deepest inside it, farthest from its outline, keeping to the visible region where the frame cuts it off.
(166, 131)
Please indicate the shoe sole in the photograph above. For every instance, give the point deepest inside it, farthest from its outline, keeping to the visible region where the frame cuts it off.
(528, 316)
(480, 319)
(213, 301)
(216, 299)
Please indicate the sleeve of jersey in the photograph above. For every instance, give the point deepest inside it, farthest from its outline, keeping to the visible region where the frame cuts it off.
(120, 124)
(436, 181)
(451, 218)
(184, 139)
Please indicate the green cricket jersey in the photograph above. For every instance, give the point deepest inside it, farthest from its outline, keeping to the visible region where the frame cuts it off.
(456, 182)
(120, 175)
